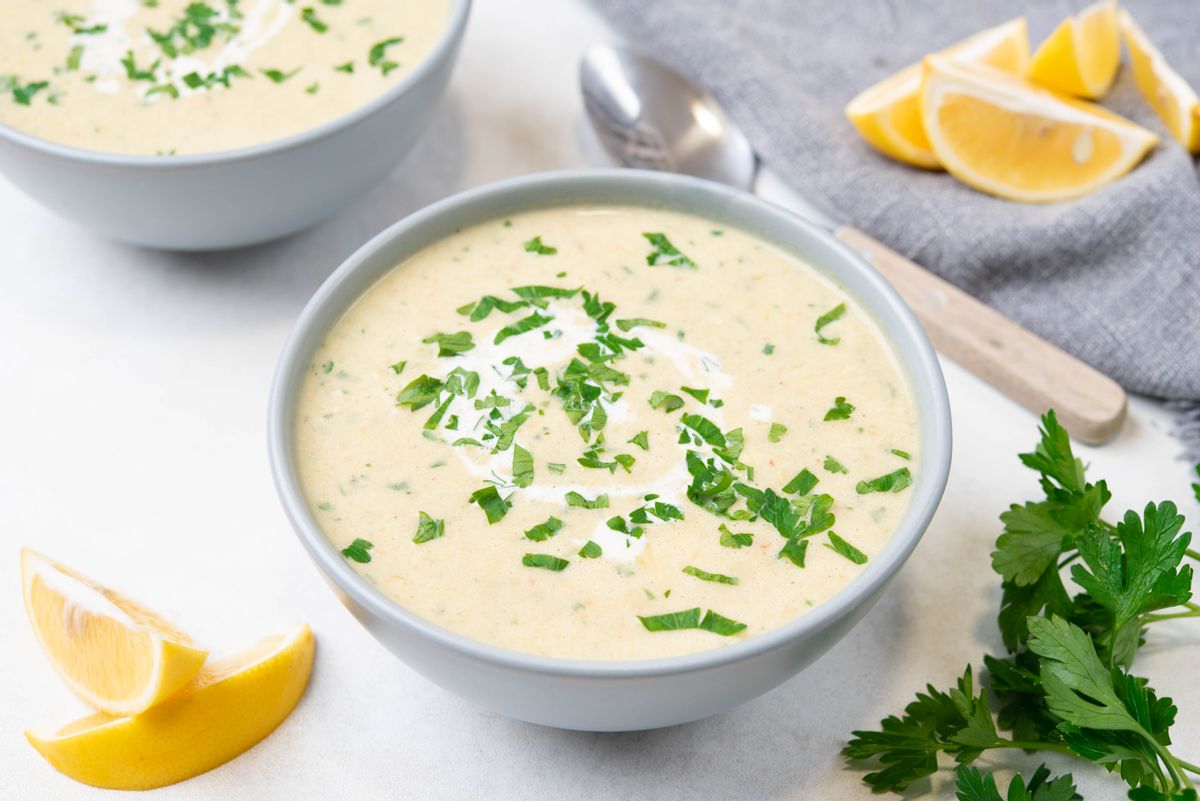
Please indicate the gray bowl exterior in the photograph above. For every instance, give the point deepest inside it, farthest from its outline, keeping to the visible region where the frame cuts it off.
(616, 695)
(240, 197)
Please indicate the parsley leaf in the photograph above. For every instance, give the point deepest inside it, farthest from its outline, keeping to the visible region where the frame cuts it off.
(776, 432)
(590, 550)
(428, 528)
(491, 503)
(846, 549)
(665, 253)
(544, 531)
(522, 466)
(419, 393)
(794, 550)
(641, 439)
(665, 401)
(834, 466)
(891, 482)
(732, 540)
(522, 326)
(359, 550)
(719, 624)
(704, 575)
(972, 785)
(840, 410)
(575, 499)
(825, 319)
(672, 621)
(545, 561)
(451, 344)
(536, 245)
(309, 15)
(279, 76)
(802, 484)
(627, 325)
(377, 56)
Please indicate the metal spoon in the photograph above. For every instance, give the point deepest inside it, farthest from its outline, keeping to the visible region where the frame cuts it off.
(649, 116)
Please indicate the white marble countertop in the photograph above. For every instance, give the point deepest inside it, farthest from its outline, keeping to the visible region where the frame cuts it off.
(132, 431)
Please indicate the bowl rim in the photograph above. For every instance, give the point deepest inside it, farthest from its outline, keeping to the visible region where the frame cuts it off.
(934, 422)
(447, 41)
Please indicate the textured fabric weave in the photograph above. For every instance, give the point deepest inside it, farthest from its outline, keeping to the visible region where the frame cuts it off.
(1112, 277)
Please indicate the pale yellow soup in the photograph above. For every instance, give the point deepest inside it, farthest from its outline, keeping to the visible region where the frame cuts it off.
(745, 460)
(168, 77)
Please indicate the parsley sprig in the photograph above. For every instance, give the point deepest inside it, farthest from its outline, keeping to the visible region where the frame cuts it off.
(1065, 685)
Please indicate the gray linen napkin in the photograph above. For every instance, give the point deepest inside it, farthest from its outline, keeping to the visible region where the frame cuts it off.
(1111, 277)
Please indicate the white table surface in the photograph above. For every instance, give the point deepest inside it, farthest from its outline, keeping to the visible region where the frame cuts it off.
(132, 431)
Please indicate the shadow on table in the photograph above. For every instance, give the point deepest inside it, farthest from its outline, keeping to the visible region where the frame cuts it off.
(766, 749)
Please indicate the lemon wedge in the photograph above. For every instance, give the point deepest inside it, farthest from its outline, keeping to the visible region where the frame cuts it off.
(1010, 138)
(1168, 93)
(1082, 55)
(117, 656)
(230, 705)
(887, 114)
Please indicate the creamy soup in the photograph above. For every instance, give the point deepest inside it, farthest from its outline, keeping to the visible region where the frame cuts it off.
(606, 433)
(166, 77)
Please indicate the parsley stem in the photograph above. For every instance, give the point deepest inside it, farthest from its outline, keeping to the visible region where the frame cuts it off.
(1193, 554)
(1171, 616)
(1188, 766)
(1068, 560)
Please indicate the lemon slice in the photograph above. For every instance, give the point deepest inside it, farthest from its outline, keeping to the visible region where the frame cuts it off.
(116, 655)
(1169, 94)
(1011, 138)
(231, 704)
(1082, 55)
(888, 116)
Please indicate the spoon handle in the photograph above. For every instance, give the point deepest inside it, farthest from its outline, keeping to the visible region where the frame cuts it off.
(1027, 368)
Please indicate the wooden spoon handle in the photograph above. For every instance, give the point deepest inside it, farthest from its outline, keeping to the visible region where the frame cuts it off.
(1027, 368)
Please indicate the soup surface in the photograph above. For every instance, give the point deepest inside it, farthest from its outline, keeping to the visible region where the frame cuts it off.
(166, 77)
(606, 433)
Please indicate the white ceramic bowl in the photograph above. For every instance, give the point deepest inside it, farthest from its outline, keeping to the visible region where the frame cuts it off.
(236, 197)
(611, 695)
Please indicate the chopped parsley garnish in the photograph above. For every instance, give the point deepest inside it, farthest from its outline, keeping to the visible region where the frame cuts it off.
(672, 621)
(313, 88)
(665, 253)
(22, 95)
(846, 549)
(732, 540)
(802, 484)
(825, 319)
(544, 561)
(665, 401)
(699, 394)
(522, 326)
(706, 429)
(776, 432)
(840, 410)
(794, 551)
(522, 466)
(704, 575)
(377, 57)
(629, 325)
(902, 454)
(834, 466)
(348, 67)
(489, 500)
(558, 468)
(327, 368)
(309, 15)
(641, 439)
(420, 392)
(575, 499)
(279, 76)
(133, 73)
(544, 531)
(768, 349)
(892, 482)
(75, 23)
(197, 28)
(590, 550)
(398, 367)
(690, 619)
(428, 528)
(359, 550)
(451, 344)
(536, 245)
(74, 56)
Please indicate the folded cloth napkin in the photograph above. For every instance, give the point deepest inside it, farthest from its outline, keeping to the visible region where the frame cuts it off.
(1113, 277)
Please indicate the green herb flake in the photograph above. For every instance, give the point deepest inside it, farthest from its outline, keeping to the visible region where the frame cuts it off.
(428, 528)
(732, 540)
(718, 624)
(665, 253)
(905, 455)
(522, 326)
(802, 484)
(450, 345)
(665, 401)
(522, 466)
(398, 367)
(794, 551)
(575, 499)
(590, 550)
(825, 319)
(847, 550)
(544, 561)
(641, 439)
(536, 245)
(768, 349)
(834, 466)
(672, 621)
(348, 67)
(489, 500)
(892, 482)
(699, 394)
(776, 433)
(377, 56)
(309, 15)
(558, 468)
(359, 551)
(544, 531)
(278, 76)
(629, 325)
(840, 410)
(704, 575)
